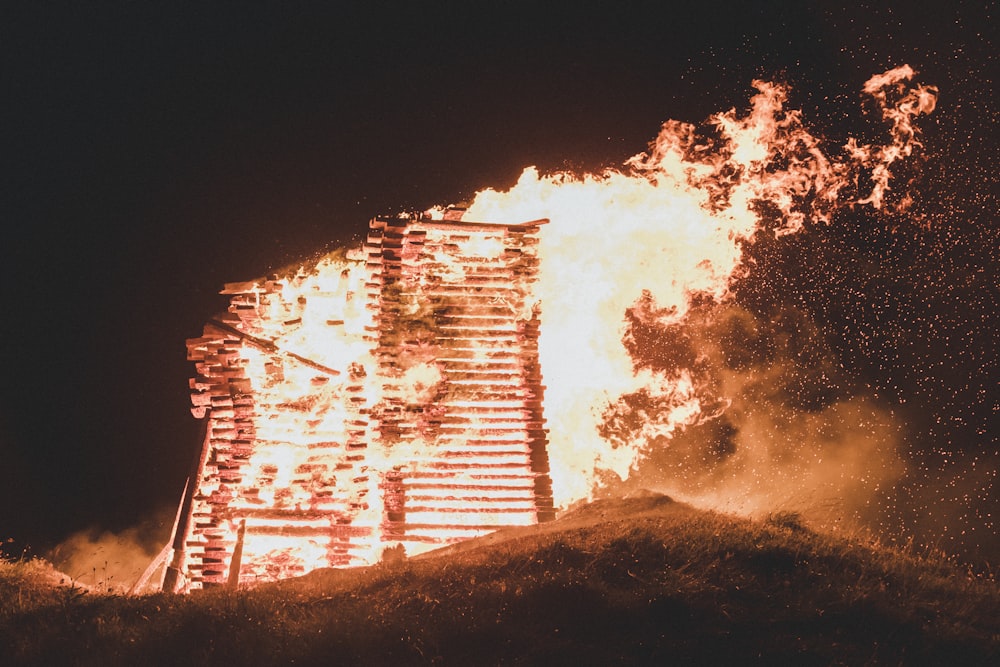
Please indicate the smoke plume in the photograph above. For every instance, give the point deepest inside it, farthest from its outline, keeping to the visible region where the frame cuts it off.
(109, 561)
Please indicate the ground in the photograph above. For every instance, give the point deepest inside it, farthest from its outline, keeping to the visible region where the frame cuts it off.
(643, 580)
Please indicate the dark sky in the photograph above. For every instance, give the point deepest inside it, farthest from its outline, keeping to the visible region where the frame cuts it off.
(149, 156)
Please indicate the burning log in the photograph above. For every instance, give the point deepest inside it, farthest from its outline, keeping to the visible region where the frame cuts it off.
(386, 400)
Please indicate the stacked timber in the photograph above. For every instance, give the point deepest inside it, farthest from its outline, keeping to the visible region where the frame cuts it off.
(284, 480)
(389, 398)
(454, 309)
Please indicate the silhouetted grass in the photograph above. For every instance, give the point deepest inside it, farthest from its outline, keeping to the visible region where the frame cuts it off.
(638, 581)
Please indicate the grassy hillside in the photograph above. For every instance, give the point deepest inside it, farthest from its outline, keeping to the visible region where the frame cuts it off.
(638, 581)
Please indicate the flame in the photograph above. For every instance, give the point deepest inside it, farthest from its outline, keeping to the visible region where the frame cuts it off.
(669, 228)
(899, 104)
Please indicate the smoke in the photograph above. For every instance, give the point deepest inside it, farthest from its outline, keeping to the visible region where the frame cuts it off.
(110, 561)
(789, 429)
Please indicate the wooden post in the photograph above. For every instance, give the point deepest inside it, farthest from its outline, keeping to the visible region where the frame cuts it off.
(172, 575)
(237, 562)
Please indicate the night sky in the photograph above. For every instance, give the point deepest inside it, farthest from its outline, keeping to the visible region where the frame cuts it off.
(149, 156)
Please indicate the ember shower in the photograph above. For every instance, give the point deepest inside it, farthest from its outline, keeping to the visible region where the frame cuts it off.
(628, 256)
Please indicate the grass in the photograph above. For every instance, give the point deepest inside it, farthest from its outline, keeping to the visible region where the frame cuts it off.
(637, 581)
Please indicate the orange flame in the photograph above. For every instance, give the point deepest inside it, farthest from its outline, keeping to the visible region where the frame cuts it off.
(668, 227)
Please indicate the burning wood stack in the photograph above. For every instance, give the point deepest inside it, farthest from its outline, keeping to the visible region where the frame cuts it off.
(390, 396)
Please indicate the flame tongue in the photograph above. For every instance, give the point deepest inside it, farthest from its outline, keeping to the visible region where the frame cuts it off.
(666, 229)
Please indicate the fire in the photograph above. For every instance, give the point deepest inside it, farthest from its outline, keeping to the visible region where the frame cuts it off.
(386, 397)
(428, 342)
(669, 228)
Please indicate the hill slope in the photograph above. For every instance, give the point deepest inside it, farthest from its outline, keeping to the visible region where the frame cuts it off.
(636, 581)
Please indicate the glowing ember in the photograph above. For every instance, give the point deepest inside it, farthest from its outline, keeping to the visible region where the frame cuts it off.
(394, 396)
